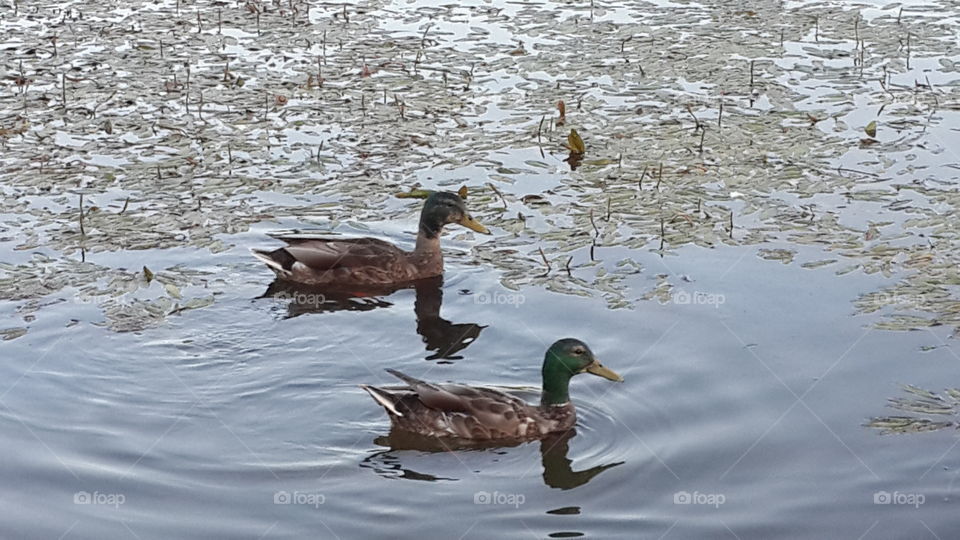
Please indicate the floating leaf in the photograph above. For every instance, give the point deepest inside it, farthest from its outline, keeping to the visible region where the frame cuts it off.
(534, 200)
(783, 255)
(574, 143)
(562, 107)
(603, 162)
(871, 129)
(414, 193)
(818, 264)
(925, 402)
(419, 193)
(194, 303)
(147, 274)
(12, 333)
(173, 290)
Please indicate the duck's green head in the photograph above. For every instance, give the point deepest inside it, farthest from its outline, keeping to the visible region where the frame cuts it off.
(564, 359)
(442, 208)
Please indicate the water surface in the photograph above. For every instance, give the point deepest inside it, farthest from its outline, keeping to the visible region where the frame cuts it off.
(765, 278)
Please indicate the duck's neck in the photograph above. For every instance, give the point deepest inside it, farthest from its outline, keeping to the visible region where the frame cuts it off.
(556, 384)
(428, 241)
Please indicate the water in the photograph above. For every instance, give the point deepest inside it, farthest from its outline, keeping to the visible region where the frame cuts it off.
(759, 358)
(212, 415)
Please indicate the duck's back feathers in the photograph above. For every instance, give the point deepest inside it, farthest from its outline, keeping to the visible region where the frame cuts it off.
(319, 261)
(453, 410)
(327, 254)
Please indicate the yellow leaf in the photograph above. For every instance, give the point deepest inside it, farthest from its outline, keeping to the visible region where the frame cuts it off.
(462, 192)
(575, 143)
(871, 129)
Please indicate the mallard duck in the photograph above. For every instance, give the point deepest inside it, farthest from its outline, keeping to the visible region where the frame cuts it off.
(466, 412)
(369, 261)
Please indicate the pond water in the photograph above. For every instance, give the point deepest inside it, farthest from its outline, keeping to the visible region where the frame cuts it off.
(768, 274)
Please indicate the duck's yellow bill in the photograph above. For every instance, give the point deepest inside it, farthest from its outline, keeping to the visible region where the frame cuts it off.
(473, 225)
(597, 369)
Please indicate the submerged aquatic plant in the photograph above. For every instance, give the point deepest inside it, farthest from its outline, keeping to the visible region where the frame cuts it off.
(927, 411)
(181, 130)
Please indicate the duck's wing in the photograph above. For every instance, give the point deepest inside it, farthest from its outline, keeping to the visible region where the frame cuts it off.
(463, 411)
(323, 254)
(318, 255)
(445, 398)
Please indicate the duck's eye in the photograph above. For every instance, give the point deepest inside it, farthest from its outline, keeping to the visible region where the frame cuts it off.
(578, 351)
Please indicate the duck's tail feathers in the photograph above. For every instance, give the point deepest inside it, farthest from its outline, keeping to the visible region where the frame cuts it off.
(414, 383)
(268, 258)
(384, 398)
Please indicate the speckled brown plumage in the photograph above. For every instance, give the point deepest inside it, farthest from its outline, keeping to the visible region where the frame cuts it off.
(361, 261)
(467, 412)
(369, 261)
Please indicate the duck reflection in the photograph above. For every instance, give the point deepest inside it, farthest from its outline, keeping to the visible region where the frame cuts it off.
(558, 469)
(442, 338)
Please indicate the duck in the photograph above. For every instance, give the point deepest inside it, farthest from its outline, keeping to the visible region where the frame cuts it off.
(370, 261)
(462, 412)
